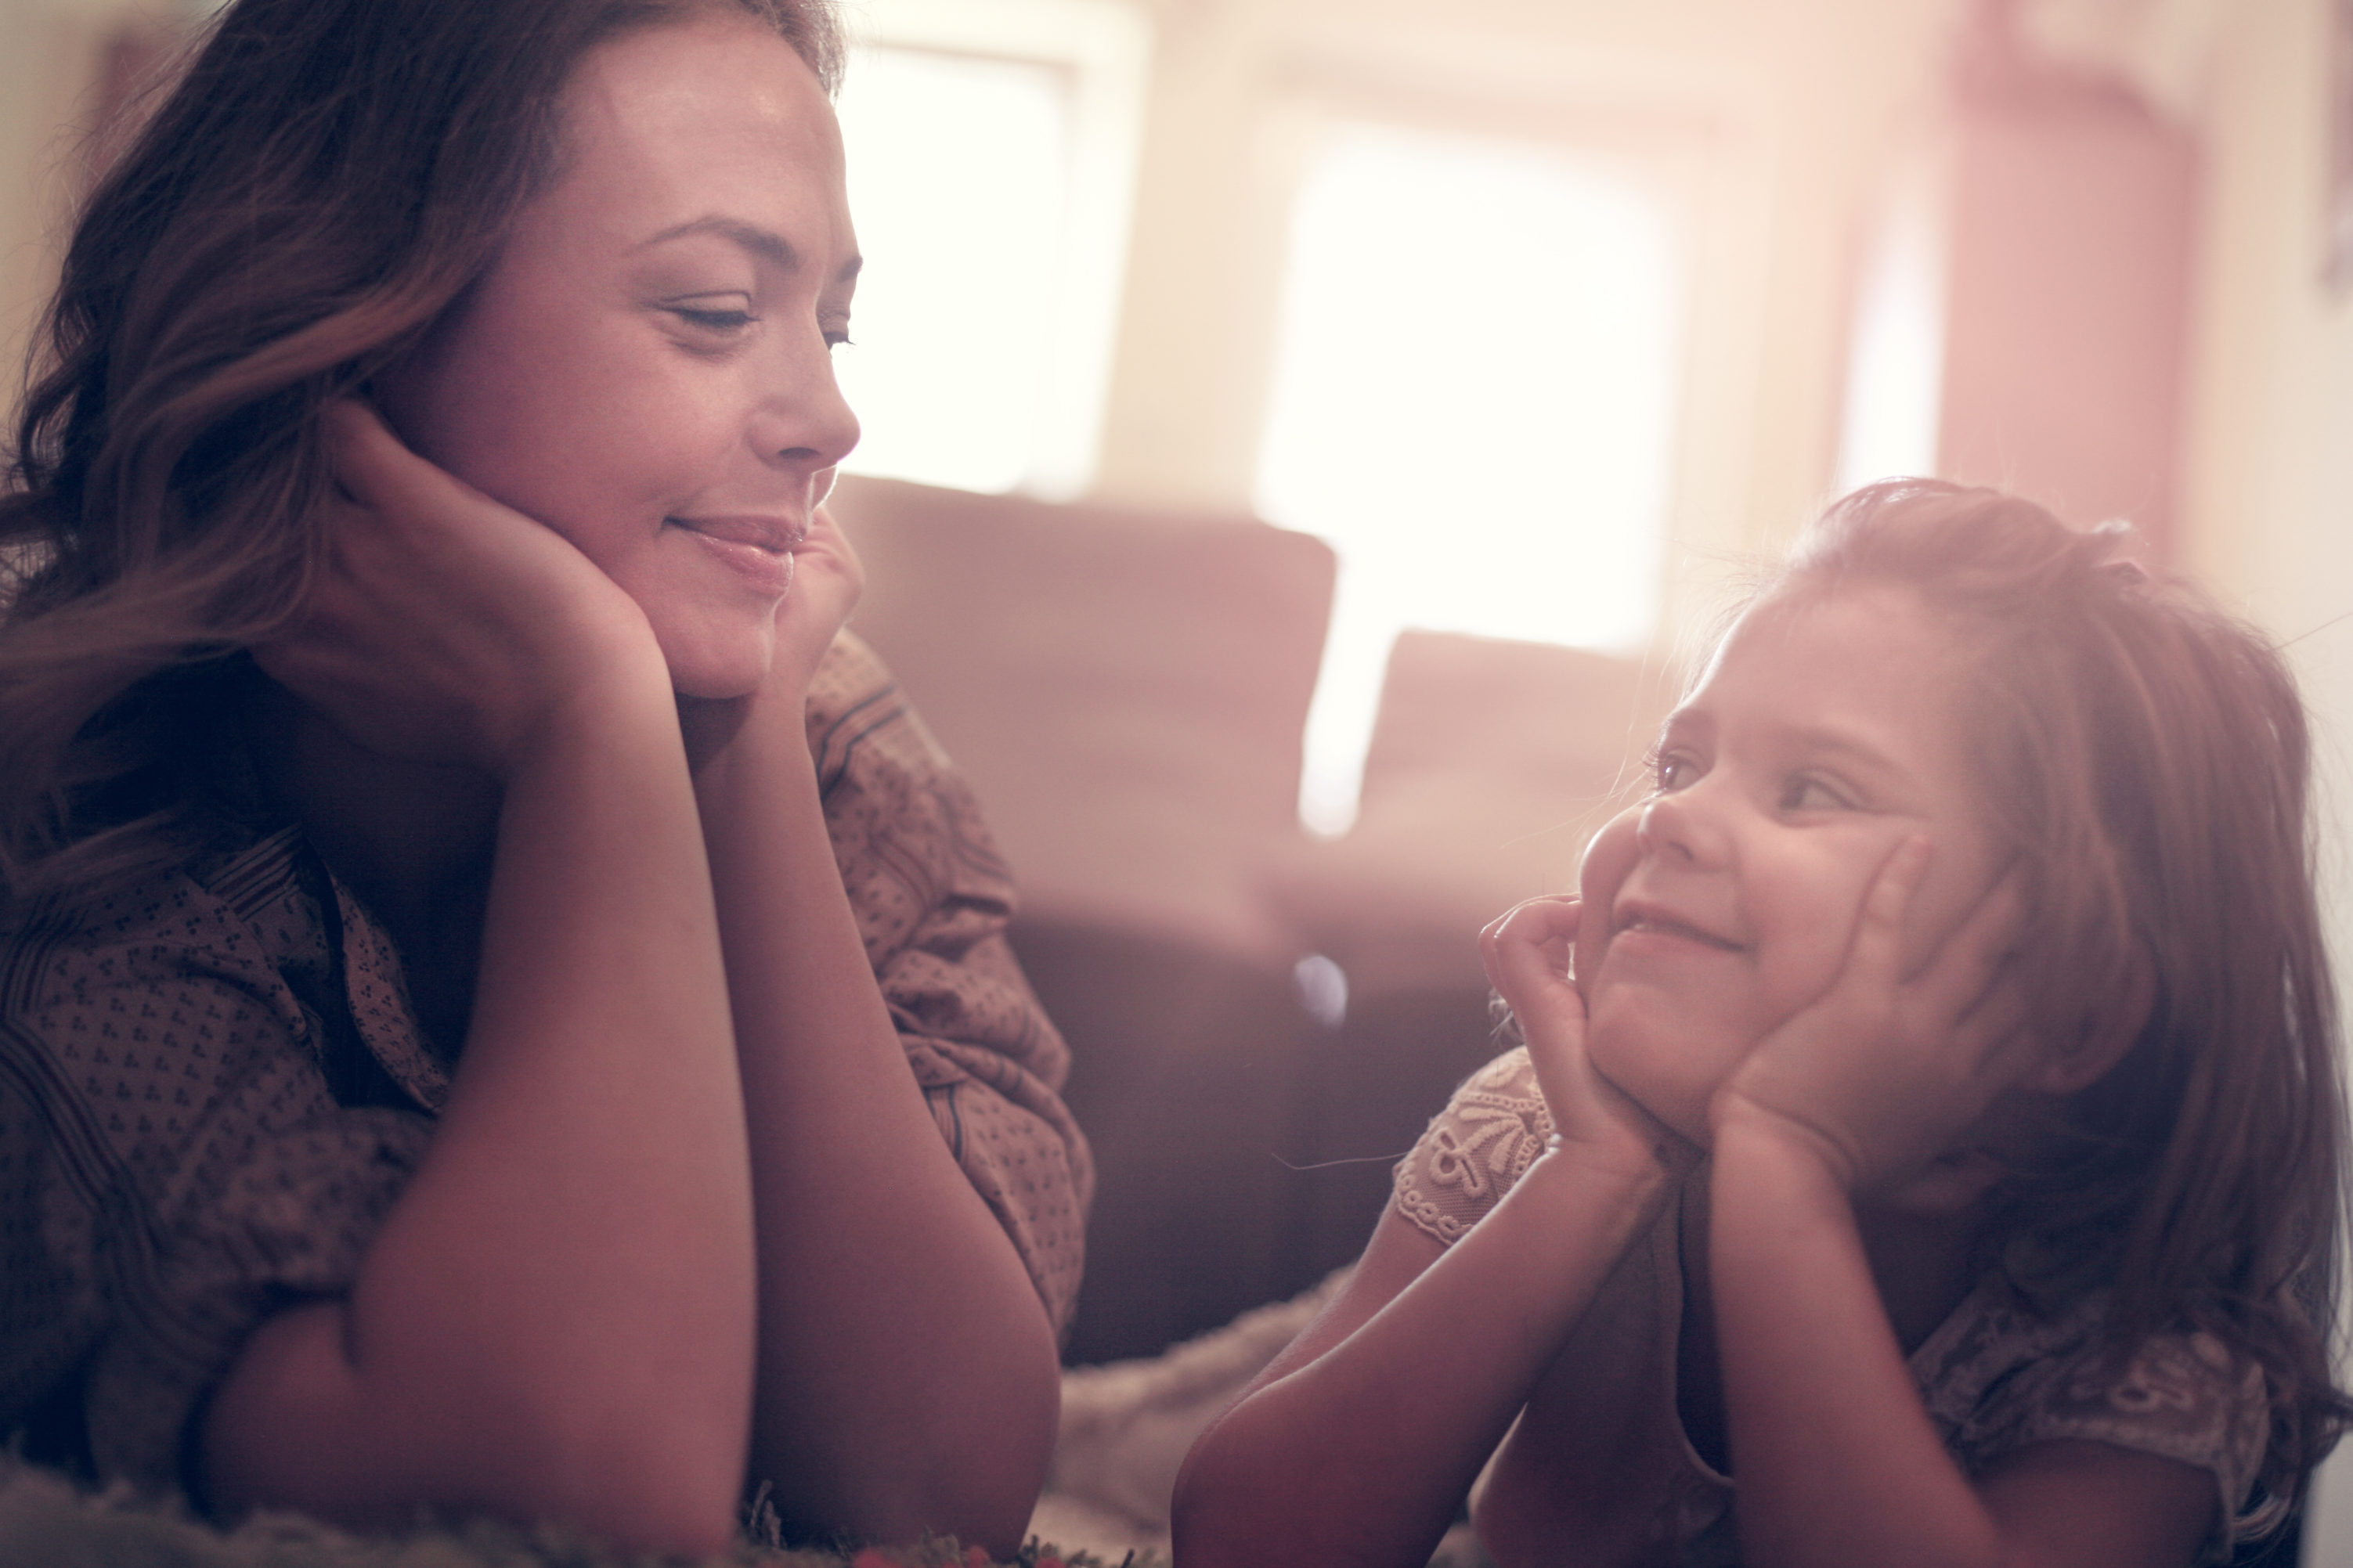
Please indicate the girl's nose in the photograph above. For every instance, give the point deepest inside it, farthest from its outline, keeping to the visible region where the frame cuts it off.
(1682, 828)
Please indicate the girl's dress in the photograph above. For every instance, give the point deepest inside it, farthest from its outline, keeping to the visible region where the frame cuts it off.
(212, 1085)
(1619, 1470)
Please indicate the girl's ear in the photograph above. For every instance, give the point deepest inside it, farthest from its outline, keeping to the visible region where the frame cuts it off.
(2107, 1034)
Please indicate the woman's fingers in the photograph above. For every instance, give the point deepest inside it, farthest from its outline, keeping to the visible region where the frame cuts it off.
(445, 627)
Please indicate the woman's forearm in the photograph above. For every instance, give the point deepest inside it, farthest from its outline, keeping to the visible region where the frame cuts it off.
(908, 1378)
(1358, 1449)
(557, 1318)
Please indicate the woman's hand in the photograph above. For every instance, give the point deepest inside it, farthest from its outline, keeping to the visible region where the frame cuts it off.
(1886, 1074)
(446, 627)
(826, 583)
(1527, 953)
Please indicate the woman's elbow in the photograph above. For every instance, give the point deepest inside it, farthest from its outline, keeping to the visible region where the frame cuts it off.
(297, 1425)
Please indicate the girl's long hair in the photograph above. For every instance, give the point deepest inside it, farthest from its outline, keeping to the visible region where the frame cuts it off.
(325, 180)
(2148, 761)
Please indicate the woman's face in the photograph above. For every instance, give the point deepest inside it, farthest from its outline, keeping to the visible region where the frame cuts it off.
(646, 369)
(1826, 732)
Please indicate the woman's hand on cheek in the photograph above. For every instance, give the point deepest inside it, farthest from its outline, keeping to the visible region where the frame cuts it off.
(1527, 953)
(1886, 1073)
(443, 626)
(826, 583)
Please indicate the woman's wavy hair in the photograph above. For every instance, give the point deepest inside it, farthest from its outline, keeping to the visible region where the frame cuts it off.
(326, 178)
(2146, 759)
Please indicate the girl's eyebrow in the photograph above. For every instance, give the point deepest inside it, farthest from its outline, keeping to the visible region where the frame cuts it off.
(1844, 743)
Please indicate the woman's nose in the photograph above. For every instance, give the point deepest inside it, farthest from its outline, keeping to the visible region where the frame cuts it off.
(801, 417)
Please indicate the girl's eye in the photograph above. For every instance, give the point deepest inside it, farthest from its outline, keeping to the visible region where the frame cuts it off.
(1803, 794)
(1671, 771)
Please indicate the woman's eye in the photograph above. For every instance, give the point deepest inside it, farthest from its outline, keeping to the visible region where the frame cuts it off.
(1803, 794)
(720, 320)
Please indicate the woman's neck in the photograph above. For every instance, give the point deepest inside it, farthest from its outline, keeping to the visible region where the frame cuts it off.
(412, 840)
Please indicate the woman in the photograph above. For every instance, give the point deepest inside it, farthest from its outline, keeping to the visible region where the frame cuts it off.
(504, 1008)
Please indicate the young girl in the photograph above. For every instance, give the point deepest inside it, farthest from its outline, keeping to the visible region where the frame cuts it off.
(1939, 1133)
(501, 1007)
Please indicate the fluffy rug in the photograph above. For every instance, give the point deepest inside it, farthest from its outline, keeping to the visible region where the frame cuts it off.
(1125, 1429)
(47, 1522)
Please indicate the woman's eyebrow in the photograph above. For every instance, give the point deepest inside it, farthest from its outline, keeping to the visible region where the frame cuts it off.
(762, 243)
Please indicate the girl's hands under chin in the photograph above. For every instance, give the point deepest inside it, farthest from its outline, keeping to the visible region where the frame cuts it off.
(1527, 954)
(1886, 1076)
(446, 627)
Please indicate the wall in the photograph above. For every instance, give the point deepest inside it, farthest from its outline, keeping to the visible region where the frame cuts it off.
(53, 56)
(2268, 467)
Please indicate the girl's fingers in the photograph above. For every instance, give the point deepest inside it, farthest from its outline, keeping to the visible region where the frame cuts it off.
(1970, 962)
(1899, 878)
(1528, 947)
(1876, 953)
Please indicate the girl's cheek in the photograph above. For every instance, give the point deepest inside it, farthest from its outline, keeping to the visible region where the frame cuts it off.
(1609, 857)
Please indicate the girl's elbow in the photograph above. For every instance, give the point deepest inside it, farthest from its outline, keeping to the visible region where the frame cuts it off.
(1210, 1518)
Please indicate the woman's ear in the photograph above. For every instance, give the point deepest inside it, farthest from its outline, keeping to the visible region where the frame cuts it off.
(2108, 1032)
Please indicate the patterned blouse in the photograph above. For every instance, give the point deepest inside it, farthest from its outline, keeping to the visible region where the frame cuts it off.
(1994, 1376)
(212, 1086)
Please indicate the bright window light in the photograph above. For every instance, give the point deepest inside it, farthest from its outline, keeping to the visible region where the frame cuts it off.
(993, 148)
(1474, 400)
(1895, 362)
(956, 185)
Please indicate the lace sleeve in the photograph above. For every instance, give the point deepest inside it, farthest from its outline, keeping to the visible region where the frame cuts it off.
(1483, 1140)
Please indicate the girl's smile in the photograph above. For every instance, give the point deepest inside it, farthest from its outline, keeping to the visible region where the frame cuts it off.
(1820, 739)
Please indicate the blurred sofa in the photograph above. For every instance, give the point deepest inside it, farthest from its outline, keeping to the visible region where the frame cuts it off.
(1126, 690)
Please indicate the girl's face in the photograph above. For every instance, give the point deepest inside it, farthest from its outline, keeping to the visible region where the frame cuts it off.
(1826, 732)
(646, 368)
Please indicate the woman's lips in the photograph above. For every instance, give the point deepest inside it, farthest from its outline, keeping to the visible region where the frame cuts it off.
(758, 549)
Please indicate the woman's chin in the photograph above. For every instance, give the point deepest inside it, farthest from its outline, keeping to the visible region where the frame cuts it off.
(718, 673)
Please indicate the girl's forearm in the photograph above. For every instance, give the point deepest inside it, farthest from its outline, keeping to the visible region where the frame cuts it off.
(908, 1377)
(1837, 1459)
(1360, 1451)
(557, 1318)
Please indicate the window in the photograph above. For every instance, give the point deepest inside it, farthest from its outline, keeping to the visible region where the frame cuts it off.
(991, 147)
(1474, 403)
(1895, 359)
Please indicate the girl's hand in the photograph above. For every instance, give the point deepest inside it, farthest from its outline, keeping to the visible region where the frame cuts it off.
(1886, 1074)
(1526, 952)
(446, 627)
